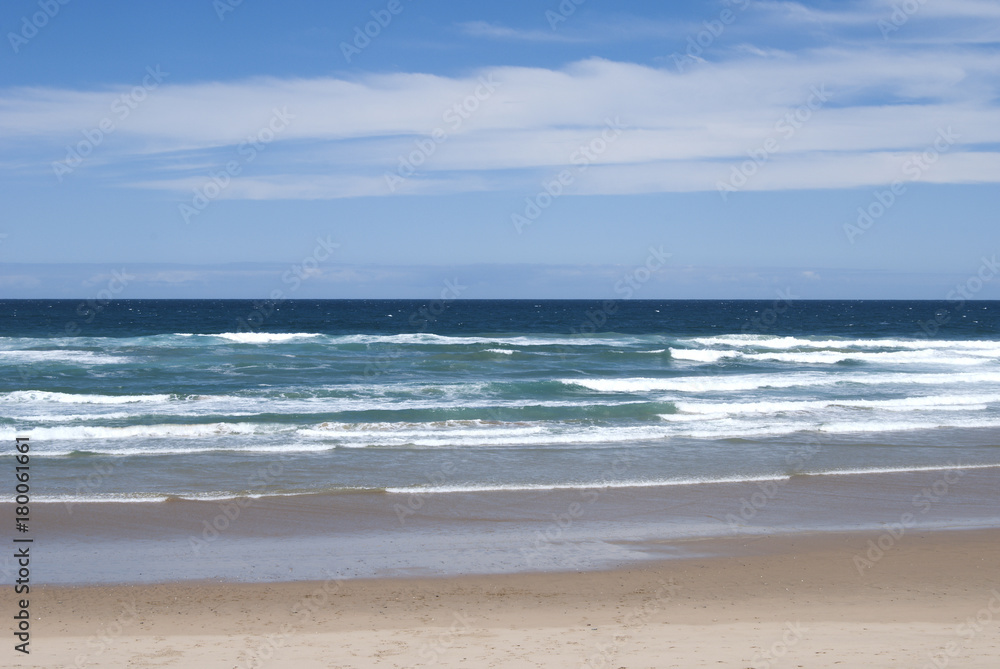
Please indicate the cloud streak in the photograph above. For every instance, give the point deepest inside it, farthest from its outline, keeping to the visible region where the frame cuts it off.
(684, 128)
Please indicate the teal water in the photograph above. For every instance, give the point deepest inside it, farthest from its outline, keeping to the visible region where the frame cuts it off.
(149, 400)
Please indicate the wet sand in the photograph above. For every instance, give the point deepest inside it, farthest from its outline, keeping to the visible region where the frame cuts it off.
(930, 599)
(365, 535)
(832, 571)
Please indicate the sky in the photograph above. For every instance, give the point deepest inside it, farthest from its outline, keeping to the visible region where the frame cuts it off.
(441, 149)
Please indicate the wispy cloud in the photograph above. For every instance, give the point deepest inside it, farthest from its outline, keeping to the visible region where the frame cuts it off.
(622, 28)
(494, 31)
(971, 22)
(506, 127)
(860, 13)
(868, 11)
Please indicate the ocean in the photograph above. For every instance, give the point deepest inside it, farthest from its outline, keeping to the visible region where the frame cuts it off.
(158, 400)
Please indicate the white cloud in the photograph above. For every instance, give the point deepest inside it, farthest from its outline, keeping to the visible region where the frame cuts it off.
(971, 9)
(580, 30)
(19, 281)
(795, 12)
(870, 11)
(494, 31)
(806, 171)
(685, 129)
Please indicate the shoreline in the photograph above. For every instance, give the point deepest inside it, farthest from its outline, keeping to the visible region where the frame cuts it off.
(775, 601)
(445, 489)
(451, 534)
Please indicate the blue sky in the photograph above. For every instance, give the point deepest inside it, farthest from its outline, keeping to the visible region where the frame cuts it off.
(519, 149)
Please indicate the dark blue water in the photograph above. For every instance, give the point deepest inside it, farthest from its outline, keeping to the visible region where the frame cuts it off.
(843, 318)
(148, 399)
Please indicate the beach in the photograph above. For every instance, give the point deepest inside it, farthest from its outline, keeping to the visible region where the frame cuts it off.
(932, 600)
(397, 334)
(503, 579)
(344, 492)
(483, 335)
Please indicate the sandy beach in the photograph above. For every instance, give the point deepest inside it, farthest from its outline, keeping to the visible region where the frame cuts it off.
(633, 335)
(932, 599)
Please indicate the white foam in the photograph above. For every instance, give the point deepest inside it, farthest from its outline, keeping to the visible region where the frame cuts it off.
(480, 433)
(817, 356)
(699, 355)
(702, 420)
(700, 383)
(215, 496)
(67, 356)
(116, 498)
(926, 403)
(707, 427)
(426, 338)
(233, 407)
(43, 396)
(734, 382)
(71, 417)
(550, 433)
(585, 486)
(852, 427)
(899, 470)
(78, 432)
(152, 498)
(264, 337)
(883, 357)
(683, 481)
(128, 450)
(988, 347)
